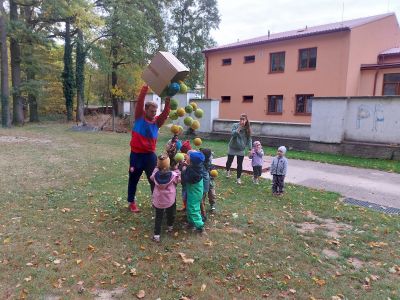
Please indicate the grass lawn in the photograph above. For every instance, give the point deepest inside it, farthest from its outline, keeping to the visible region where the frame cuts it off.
(65, 232)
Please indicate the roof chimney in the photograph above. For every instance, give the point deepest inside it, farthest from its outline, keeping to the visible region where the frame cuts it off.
(268, 33)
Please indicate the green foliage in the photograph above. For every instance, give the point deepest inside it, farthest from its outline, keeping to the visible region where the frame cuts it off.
(188, 28)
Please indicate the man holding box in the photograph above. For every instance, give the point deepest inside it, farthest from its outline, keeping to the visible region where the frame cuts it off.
(143, 143)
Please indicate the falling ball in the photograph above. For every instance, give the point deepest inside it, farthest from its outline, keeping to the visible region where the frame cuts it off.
(173, 88)
(197, 141)
(194, 105)
(188, 121)
(173, 104)
(179, 157)
(180, 111)
(189, 109)
(199, 113)
(175, 129)
(195, 125)
(173, 115)
(182, 88)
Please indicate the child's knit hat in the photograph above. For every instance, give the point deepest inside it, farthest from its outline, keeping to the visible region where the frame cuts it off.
(196, 157)
(163, 162)
(282, 149)
(186, 146)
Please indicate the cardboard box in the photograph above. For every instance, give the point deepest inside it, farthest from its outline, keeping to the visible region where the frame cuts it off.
(163, 69)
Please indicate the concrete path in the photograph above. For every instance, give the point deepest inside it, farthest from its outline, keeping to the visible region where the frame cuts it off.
(369, 185)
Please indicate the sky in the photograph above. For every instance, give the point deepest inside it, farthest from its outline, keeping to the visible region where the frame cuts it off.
(245, 19)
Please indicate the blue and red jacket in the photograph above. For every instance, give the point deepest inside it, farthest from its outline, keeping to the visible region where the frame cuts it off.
(144, 131)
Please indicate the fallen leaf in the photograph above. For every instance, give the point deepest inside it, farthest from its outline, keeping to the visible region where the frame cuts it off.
(27, 279)
(29, 264)
(132, 272)
(318, 281)
(293, 291)
(23, 294)
(91, 248)
(186, 260)
(57, 261)
(208, 243)
(78, 261)
(80, 282)
(6, 241)
(116, 264)
(374, 277)
(141, 294)
(203, 287)
(377, 244)
(65, 209)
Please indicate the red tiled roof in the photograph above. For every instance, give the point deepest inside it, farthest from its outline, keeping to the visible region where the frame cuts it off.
(299, 33)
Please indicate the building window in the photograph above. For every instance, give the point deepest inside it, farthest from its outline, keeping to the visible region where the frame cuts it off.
(391, 84)
(225, 98)
(247, 98)
(275, 104)
(308, 59)
(249, 59)
(277, 62)
(304, 104)
(226, 61)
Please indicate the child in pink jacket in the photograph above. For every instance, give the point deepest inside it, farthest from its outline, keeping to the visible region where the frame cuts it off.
(164, 194)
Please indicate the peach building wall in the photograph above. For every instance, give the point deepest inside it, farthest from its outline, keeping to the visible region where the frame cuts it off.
(239, 79)
(366, 42)
(339, 57)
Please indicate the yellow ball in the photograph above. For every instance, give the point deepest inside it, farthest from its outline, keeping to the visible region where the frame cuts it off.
(180, 111)
(214, 173)
(195, 125)
(194, 105)
(175, 129)
(197, 141)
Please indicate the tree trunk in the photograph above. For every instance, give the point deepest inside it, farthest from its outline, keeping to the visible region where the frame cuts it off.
(33, 106)
(5, 92)
(114, 75)
(30, 72)
(67, 75)
(80, 78)
(15, 51)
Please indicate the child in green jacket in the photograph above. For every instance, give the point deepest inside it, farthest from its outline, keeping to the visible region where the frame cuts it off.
(192, 177)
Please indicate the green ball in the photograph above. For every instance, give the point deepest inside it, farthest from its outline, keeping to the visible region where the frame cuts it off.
(199, 113)
(173, 104)
(188, 121)
(183, 88)
(189, 109)
(179, 157)
(173, 115)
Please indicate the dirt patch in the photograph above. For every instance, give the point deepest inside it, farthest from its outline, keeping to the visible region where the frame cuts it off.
(22, 139)
(330, 226)
(330, 253)
(107, 295)
(104, 122)
(355, 262)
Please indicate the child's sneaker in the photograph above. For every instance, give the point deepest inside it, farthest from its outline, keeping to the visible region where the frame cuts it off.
(212, 208)
(238, 181)
(228, 173)
(133, 208)
(170, 229)
(156, 238)
(254, 180)
(257, 181)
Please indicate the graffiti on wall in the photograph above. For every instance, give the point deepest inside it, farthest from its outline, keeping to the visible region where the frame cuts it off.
(364, 112)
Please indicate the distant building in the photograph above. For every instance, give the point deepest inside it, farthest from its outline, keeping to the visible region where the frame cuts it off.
(274, 77)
